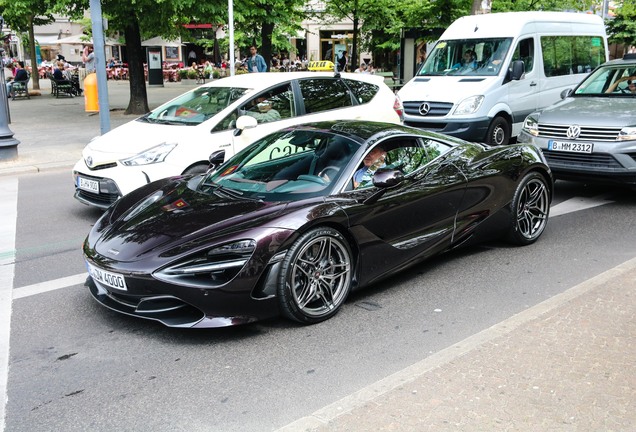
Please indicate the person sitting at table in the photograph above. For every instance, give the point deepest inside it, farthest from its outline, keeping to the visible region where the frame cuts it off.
(58, 71)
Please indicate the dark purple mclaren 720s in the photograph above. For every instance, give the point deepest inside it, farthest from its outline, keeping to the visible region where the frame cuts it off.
(294, 222)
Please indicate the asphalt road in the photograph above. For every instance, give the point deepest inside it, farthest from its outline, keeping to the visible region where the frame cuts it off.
(75, 366)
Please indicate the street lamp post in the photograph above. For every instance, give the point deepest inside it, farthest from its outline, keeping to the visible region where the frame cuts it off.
(8, 144)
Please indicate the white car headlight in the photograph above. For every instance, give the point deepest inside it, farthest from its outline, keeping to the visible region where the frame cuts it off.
(531, 125)
(152, 155)
(469, 105)
(627, 134)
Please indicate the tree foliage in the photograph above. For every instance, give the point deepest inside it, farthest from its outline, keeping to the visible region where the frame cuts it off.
(622, 28)
(542, 5)
(21, 16)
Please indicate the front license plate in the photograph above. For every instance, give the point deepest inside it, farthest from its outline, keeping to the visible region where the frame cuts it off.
(570, 146)
(112, 280)
(88, 185)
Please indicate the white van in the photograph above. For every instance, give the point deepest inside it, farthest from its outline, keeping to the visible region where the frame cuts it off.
(473, 84)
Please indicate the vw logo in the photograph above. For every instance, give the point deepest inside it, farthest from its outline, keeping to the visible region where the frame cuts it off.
(573, 131)
(89, 161)
(425, 108)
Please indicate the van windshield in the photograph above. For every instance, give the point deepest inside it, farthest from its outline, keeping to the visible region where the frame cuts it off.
(467, 57)
(195, 107)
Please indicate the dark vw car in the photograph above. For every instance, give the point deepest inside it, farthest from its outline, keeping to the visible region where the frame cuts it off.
(297, 220)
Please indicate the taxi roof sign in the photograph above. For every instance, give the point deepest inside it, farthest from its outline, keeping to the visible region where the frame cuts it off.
(322, 65)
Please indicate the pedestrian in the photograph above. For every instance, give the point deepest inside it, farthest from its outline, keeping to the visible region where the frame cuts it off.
(89, 59)
(256, 62)
(341, 61)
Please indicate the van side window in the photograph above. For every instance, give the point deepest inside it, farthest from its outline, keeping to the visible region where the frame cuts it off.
(525, 52)
(567, 55)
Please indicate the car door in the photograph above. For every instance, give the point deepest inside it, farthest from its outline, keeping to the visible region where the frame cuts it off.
(524, 93)
(273, 109)
(412, 220)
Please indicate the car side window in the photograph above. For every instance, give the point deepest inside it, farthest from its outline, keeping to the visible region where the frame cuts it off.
(403, 154)
(322, 94)
(272, 105)
(525, 52)
(362, 91)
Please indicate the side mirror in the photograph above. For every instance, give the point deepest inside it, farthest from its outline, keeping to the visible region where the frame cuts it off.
(565, 93)
(244, 122)
(517, 70)
(387, 178)
(216, 159)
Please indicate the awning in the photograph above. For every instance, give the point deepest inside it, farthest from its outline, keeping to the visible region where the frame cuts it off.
(82, 39)
(157, 41)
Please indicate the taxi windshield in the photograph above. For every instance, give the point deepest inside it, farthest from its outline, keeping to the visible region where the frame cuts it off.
(467, 57)
(196, 106)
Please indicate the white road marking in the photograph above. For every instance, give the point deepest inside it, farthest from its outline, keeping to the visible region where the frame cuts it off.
(579, 203)
(47, 286)
(8, 218)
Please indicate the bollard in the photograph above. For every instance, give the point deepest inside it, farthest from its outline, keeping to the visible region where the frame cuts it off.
(90, 93)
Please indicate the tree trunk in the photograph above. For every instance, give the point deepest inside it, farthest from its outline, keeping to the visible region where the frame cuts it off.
(35, 75)
(138, 97)
(354, 49)
(266, 43)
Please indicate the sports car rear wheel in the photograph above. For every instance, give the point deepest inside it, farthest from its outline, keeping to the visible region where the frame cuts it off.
(315, 277)
(530, 208)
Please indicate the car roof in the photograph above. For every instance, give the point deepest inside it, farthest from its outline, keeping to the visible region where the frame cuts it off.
(360, 130)
(263, 80)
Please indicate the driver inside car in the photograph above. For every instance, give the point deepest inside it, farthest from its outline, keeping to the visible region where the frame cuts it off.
(372, 161)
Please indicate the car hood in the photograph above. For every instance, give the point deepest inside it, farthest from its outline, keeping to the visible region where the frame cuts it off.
(597, 111)
(132, 138)
(445, 88)
(181, 216)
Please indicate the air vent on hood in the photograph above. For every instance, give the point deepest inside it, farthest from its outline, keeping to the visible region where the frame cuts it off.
(471, 79)
(422, 79)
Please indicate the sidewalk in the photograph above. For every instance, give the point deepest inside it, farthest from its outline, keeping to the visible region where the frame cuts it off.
(52, 132)
(567, 364)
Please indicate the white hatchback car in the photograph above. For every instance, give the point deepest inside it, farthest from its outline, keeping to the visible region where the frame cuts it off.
(179, 136)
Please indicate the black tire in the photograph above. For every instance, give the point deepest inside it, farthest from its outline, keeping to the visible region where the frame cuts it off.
(196, 169)
(498, 132)
(315, 277)
(530, 208)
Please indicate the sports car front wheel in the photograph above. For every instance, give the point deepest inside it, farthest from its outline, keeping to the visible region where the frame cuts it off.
(315, 277)
(530, 208)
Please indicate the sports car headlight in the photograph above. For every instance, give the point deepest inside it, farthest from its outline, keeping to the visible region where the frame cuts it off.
(627, 134)
(531, 125)
(212, 268)
(469, 105)
(150, 156)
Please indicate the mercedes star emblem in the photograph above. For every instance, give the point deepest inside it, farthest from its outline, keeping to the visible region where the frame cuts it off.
(425, 108)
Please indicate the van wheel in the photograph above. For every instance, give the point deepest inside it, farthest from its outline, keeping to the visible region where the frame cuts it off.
(196, 169)
(498, 132)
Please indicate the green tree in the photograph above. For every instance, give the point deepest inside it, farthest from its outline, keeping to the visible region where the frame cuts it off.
(21, 16)
(146, 18)
(545, 5)
(622, 28)
(260, 22)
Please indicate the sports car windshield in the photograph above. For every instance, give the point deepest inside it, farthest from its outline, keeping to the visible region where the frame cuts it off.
(196, 106)
(288, 165)
(466, 57)
(610, 81)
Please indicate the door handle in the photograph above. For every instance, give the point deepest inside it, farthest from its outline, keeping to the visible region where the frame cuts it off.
(533, 84)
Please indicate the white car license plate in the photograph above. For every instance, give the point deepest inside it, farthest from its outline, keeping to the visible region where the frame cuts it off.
(112, 280)
(88, 185)
(570, 146)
